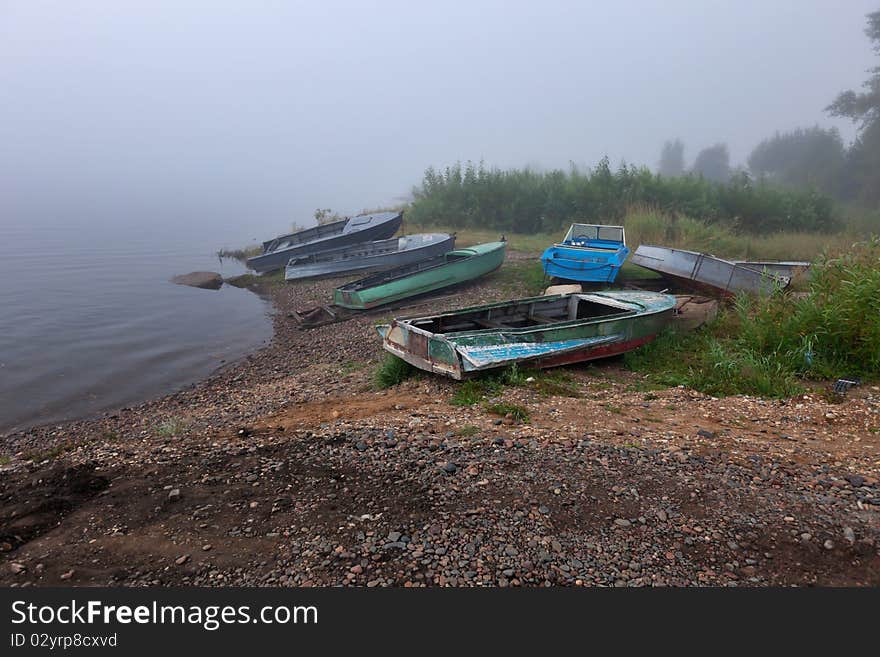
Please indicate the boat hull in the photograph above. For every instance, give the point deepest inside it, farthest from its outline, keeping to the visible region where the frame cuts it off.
(408, 281)
(707, 273)
(634, 319)
(366, 257)
(582, 264)
(379, 228)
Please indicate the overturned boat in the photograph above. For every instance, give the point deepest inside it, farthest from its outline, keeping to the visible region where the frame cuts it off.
(370, 255)
(706, 272)
(589, 253)
(537, 332)
(346, 232)
(421, 277)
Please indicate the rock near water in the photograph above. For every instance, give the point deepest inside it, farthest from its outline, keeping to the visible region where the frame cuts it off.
(206, 280)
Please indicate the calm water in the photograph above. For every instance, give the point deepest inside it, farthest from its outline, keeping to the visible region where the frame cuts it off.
(89, 320)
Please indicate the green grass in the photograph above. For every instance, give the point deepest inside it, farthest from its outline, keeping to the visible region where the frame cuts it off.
(172, 427)
(351, 366)
(271, 279)
(473, 391)
(769, 345)
(392, 371)
(513, 411)
(241, 254)
(545, 382)
(5, 460)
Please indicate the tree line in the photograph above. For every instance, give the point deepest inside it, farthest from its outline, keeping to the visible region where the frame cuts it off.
(791, 182)
(808, 157)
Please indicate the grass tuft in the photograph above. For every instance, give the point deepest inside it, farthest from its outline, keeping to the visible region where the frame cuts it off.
(392, 371)
(513, 411)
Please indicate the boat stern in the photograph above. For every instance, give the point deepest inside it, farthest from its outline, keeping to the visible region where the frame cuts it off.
(421, 349)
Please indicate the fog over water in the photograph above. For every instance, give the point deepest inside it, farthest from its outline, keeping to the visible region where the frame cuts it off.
(138, 137)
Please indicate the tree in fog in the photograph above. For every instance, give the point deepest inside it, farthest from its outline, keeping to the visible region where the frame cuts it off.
(811, 157)
(863, 107)
(713, 163)
(672, 159)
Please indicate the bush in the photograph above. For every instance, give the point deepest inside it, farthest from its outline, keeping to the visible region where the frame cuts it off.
(392, 371)
(764, 345)
(528, 201)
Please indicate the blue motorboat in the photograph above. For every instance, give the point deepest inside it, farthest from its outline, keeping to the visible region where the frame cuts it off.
(589, 253)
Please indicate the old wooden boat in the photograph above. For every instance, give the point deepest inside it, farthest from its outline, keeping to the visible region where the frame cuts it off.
(346, 232)
(588, 253)
(537, 332)
(370, 255)
(421, 277)
(706, 272)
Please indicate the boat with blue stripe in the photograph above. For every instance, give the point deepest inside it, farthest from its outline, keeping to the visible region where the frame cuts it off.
(590, 253)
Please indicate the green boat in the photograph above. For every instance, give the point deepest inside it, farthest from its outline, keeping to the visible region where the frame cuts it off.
(539, 332)
(416, 278)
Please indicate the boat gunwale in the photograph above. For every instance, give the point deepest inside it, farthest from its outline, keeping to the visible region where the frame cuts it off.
(524, 330)
(349, 287)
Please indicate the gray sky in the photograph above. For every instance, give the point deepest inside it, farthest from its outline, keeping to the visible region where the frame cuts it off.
(271, 109)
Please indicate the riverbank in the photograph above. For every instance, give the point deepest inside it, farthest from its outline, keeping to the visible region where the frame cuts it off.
(290, 468)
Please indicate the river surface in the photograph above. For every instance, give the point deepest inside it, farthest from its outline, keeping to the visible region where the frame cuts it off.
(89, 320)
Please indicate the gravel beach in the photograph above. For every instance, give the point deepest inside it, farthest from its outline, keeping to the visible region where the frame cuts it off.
(289, 468)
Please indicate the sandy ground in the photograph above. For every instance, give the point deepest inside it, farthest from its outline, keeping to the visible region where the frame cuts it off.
(289, 469)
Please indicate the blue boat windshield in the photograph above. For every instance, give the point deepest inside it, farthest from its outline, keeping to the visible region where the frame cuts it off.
(594, 235)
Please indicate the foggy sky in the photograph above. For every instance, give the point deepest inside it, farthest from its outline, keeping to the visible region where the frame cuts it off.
(272, 109)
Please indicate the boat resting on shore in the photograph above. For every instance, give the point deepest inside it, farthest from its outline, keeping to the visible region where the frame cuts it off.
(421, 277)
(370, 255)
(346, 232)
(537, 332)
(589, 253)
(706, 272)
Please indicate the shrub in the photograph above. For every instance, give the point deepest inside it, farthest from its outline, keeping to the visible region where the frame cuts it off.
(392, 371)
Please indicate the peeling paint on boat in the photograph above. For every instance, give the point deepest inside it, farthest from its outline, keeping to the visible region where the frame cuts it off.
(617, 322)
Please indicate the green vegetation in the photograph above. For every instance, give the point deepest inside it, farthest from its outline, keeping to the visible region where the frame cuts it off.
(766, 346)
(240, 254)
(392, 371)
(528, 201)
(271, 279)
(173, 427)
(513, 411)
(546, 382)
(649, 225)
(468, 430)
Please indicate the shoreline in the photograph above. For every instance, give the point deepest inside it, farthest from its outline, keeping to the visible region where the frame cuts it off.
(135, 405)
(288, 468)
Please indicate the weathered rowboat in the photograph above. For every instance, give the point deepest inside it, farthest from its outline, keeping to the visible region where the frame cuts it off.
(365, 228)
(370, 255)
(538, 332)
(589, 253)
(706, 272)
(421, 277)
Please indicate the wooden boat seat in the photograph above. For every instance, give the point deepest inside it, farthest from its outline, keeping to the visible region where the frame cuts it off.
(544, 319)
(488, 323)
